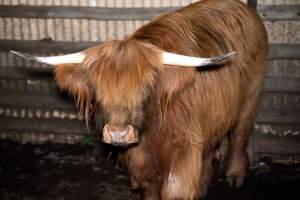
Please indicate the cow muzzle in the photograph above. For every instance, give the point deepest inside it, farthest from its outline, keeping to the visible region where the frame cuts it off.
(120, 136)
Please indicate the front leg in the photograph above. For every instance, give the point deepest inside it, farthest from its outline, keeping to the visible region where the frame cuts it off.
(142, 172)
(151, 191)
(185, 175)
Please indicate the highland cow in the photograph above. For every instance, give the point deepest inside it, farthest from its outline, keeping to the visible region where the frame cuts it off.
(172, 91)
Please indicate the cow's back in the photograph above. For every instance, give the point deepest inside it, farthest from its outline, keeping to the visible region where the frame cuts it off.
(225, 26)
(210, 28)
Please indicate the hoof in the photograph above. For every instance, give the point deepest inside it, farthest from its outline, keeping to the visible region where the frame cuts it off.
(203, 192)
(235, 181)
(237, 171)
(134, 184)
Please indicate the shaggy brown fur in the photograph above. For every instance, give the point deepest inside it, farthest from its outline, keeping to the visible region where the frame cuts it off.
(182, 113)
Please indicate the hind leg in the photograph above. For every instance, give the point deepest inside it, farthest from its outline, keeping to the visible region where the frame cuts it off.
(238, 159)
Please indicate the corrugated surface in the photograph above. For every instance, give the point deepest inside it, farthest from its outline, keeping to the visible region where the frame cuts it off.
(97, 30)
(101, 3)
(125, 3)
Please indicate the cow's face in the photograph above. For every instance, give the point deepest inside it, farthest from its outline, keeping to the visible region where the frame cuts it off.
(119, 77)
(122, 75)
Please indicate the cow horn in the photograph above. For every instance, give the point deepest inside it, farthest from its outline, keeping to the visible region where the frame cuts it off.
(188, 61)
(54, 60)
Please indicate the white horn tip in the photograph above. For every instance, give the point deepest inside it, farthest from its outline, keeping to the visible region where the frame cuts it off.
(222, 58)
(14, 52)
(26, 56)
(53, 60)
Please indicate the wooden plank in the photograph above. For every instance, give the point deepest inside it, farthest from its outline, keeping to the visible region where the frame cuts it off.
(41, 138)
(281, 84)
(66, 126)
(15, 107)
(278, 116)
(58, 102)
(284, 68)
(45, 86)
(267, 12)
(279, 12)
(276, 139)
(277, 51)
(57, 126)
(44, 46)
(76, 12)
(39, 113)
(10, 88)
(289, 101)
(284, 51)
(63, 102)
(27, 72)
(28, 86)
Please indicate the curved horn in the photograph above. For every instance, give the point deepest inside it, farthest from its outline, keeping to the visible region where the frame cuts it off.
(188, 61)
(54, 60)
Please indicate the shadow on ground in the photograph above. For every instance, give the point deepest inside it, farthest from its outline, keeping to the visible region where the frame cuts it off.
(61, 172)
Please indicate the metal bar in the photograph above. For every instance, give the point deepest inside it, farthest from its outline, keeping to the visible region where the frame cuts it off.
(267, 12)
(82, 12)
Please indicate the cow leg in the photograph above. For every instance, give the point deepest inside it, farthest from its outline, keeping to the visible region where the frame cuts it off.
(238, 159)
(207, 171)
(142, 172)
(151, 191)
(222, 153)
(184, 179)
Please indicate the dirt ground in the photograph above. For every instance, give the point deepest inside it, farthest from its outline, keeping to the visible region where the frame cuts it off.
(78, 172)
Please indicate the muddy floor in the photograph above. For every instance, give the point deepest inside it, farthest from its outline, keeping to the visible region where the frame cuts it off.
(61, 172)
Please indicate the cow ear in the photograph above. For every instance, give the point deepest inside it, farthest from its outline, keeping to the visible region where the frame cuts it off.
(73, 78)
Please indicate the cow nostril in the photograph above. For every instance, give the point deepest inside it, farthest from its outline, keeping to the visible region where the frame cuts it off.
(115, 129)
(119, 135)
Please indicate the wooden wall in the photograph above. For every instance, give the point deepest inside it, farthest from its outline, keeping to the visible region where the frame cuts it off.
(32, 109)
